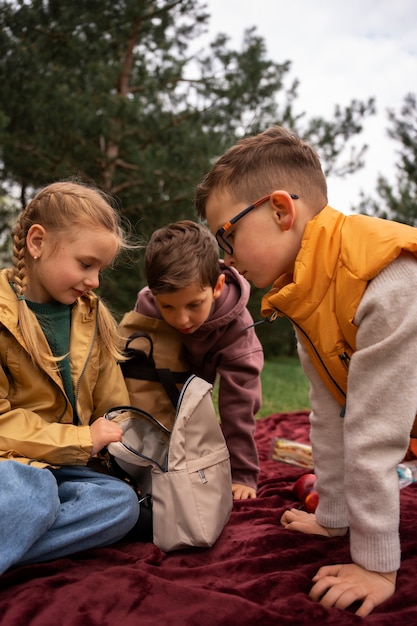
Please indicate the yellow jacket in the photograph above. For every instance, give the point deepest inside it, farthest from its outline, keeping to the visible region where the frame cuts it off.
(339, 255)
(36, 416)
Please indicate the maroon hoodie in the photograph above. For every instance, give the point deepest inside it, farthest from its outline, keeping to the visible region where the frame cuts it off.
(223, 347)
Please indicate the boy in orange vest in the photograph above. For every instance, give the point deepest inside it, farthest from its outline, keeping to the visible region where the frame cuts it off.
(348, 285)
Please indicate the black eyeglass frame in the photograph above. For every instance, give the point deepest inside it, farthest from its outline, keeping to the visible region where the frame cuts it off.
(224, 244)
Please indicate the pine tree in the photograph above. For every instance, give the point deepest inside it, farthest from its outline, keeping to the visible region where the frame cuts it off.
(117, 93)
(399, 201)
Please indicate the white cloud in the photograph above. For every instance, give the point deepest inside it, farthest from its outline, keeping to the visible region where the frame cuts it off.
(339, 51)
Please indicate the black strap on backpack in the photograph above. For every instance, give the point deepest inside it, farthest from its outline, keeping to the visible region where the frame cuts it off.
(141, 366)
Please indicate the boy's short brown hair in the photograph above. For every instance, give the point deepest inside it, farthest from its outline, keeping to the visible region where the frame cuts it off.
(178, 255)
(258, 165)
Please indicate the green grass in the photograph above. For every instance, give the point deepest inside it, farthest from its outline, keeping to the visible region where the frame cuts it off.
(284, 387)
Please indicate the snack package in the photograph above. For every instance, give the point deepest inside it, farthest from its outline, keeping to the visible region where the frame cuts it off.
(407, 473)
(291, 452)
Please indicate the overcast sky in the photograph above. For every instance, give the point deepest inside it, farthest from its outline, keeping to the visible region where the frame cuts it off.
(339, 51)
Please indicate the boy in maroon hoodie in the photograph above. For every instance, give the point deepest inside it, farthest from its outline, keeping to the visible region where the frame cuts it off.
(205, 301)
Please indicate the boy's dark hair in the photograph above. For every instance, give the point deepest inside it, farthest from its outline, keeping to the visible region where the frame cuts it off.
(178, 255)
(258, 165)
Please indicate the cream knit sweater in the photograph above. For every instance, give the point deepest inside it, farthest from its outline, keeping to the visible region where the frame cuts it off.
(355, 457)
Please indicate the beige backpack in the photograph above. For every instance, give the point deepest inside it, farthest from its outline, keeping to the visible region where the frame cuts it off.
(186, 470)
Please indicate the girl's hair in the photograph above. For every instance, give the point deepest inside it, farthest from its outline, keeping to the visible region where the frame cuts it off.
(58, 207)
(258, 165)
(178, 255)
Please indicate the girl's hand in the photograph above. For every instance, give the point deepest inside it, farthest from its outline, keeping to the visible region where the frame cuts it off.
(102, 433)
(341, 585)
(304, 522)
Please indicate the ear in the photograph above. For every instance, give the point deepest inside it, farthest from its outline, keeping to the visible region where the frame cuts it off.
(284, 209)
(35, 240)
(219, 286)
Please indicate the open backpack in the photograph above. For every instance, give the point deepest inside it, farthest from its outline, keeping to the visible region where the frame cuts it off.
(183, 470)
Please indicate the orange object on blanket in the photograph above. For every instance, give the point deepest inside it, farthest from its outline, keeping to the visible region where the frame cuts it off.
(412, 450)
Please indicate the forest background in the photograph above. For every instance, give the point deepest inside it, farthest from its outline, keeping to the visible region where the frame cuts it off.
(119, 94)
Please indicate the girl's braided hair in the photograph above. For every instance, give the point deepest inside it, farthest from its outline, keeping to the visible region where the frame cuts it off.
(57, 208)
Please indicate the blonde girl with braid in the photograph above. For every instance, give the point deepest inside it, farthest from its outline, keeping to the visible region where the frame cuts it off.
(59, 374)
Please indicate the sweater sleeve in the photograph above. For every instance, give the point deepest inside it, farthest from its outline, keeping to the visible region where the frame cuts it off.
(326, 436)
(380, 410)
(240, 397)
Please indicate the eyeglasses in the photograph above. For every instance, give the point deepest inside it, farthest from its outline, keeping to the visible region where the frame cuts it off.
(222, 240)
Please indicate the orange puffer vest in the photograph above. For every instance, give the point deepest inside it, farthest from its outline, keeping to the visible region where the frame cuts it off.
(339, 255)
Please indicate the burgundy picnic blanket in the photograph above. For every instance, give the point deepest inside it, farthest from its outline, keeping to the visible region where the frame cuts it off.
(257, 573)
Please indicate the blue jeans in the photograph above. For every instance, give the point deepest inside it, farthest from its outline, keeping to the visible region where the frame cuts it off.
(46, 514)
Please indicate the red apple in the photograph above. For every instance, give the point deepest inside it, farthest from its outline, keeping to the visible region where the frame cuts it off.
(311, 501)
(304, 485)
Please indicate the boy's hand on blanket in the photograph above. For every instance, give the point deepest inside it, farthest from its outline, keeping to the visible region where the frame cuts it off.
(242, 492)
(103, 432)
(341, 585)
(304, 522)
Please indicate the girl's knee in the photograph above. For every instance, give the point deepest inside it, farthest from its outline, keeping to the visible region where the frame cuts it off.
(119, 510)
(118, 500)
(128, 507)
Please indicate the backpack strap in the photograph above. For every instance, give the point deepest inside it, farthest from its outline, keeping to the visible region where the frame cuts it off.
(141, 366)
(167, 380)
